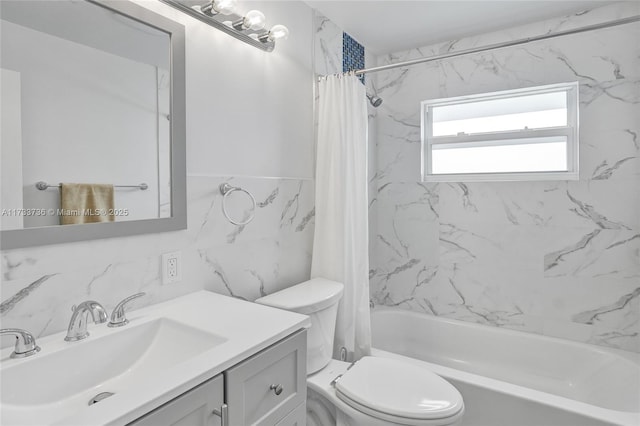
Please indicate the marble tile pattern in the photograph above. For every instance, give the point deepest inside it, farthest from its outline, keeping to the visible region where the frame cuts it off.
(40, 284)
(327, 45)
(556, 258)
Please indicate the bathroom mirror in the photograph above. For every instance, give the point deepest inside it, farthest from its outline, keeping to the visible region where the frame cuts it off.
(92, 92)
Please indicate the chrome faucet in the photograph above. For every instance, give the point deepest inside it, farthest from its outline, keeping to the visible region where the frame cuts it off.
(78, 325)
(25, 342)
(117, 316)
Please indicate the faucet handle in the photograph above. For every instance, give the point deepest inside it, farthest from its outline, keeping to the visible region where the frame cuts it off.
(118, 318)
(25, 342)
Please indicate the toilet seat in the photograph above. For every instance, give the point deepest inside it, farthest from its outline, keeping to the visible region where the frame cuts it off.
(399, 392)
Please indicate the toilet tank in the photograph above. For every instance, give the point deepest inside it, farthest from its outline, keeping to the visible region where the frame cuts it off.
(319, 299)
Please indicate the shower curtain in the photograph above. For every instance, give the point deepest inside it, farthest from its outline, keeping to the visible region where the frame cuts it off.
(340, 245)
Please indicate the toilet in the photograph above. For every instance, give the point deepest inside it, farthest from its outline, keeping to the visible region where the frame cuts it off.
(373, 391)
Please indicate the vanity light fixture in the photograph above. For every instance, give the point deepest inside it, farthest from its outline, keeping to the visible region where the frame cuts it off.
(222, 15)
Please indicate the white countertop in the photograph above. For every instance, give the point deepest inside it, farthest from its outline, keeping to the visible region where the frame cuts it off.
(247, 327)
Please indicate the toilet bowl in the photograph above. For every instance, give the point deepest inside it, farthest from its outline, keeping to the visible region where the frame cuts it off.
(373, 391)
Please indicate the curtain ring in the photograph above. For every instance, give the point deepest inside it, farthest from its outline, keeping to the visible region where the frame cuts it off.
(225, 190)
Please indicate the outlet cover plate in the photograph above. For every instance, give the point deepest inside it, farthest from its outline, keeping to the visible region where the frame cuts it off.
(172, 267)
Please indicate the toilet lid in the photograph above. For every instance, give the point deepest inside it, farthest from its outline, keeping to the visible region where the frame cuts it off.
(399, 388)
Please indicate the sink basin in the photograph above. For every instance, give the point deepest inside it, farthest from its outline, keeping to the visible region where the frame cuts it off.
(166, 350)
(58, 383)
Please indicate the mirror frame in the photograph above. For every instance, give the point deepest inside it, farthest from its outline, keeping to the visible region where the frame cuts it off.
(29, 237)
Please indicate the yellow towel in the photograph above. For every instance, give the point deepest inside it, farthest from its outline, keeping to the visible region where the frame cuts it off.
(86, 203)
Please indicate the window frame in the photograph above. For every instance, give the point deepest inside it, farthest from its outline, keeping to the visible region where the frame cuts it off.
(570, 131)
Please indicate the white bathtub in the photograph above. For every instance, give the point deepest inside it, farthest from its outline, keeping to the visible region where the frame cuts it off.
(511, 378)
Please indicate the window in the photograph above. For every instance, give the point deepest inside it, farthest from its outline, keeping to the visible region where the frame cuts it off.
(522, 134)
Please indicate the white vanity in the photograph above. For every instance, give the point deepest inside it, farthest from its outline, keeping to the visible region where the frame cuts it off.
(201, 359)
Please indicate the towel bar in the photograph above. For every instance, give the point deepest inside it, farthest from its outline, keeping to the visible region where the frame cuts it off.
(44, 185)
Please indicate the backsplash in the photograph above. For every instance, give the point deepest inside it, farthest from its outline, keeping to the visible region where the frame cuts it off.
(556, 258)
(41, 284)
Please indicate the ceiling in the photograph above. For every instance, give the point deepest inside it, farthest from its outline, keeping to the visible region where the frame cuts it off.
(395, 25)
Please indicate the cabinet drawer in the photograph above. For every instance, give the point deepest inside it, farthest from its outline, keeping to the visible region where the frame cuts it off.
(192, 408)
(251, 386)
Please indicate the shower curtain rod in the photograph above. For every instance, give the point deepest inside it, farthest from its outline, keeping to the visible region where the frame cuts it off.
(614, 23)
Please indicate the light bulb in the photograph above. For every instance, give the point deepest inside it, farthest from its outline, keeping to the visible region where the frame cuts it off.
(226, 7)
(278, 32)
(254, 19)
(214, 7)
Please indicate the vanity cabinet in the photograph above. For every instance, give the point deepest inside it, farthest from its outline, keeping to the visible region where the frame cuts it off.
(193, 408)
(297, 417)
(266, 389)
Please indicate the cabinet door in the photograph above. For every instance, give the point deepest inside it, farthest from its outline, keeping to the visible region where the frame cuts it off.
(297, 417)
(192, 408)
(263, 389)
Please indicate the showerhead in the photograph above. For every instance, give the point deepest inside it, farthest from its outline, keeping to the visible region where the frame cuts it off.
(374, 100)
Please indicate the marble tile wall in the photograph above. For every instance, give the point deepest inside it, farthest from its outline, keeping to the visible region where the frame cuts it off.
(557, 258)
(39, 285)
(327, 45)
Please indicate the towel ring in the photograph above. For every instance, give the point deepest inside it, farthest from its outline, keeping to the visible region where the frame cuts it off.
(225, 190)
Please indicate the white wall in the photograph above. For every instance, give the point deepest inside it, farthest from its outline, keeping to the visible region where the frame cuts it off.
(250, 111)
(11, 149)
(249, 121)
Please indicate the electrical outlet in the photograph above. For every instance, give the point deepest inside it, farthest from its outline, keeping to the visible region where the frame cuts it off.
(172, 267)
